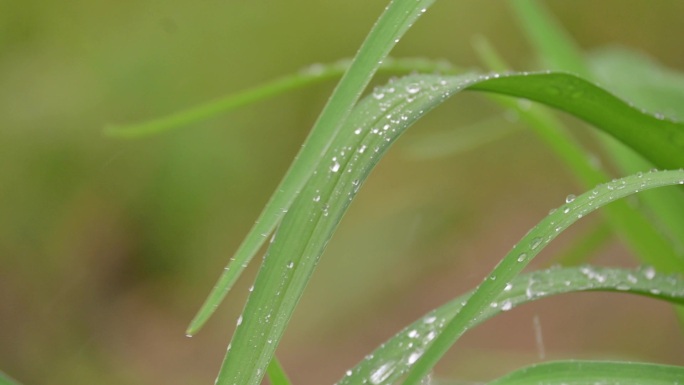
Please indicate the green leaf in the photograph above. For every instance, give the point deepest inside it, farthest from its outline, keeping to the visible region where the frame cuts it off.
(398, 17)
(276, 373)
(522, 253)
(593, 372)
(556, 48)
(658, 139)
(650, 244)
(308, 76)
(394, 358)
(374, 124)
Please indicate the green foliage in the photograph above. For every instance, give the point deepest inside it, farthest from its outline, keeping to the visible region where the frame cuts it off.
(350, 138)
(636, 112)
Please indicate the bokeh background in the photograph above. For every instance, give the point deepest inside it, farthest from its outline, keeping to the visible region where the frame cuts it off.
(108, 247)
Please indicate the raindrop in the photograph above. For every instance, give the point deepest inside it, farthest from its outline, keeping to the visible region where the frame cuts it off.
(413, 334)
(522, 257)
(506, 305)
(378, 94)
(508, 287)
(570, 198)
(357, 131)
(535, 243)
(649, 273)
(335, 167)
(413, 88)
(290, 265)
(429, 320)
(382, 373)
(239, 320)
(317, 198)
(413, 357)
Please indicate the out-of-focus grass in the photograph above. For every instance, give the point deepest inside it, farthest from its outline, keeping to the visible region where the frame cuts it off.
(105, 246)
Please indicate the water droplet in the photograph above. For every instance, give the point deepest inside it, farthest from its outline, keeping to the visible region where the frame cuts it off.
(413, 88)
(378, 93)
(508, 287)
(522, 257)
(357, 131)
(429, 320)
(335, 167)
(239, 320)
(414, 357)
(506, 305)
(535, 243)
(649, 273)
(348, 373)
(290, 265)
(413, 334)
(381, 373)
(570, 198)
(317, 198)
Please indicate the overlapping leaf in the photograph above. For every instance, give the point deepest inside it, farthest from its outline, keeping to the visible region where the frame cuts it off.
(388, 363)
(594, 372)
(374, 124)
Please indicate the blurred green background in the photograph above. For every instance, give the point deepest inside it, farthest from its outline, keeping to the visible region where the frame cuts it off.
(108, 247)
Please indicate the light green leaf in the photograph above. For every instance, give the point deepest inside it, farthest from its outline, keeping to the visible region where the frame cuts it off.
(650, 244)
(394, 358)
(313, 74)
(398, 17)
(593, 372)
(276, 373)
(522, 253)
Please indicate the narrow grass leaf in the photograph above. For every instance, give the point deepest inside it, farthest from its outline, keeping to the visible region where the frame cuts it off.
(276, 373)
(376, 122)
(388, 363)
(649, 244)
(374, 125)
(555, 46)
(512, 264)
(313, 74)
(594, 372)
(658, 139)
(397, 18)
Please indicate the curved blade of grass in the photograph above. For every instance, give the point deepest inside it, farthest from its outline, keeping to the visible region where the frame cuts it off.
(376, 122)
(304, 232)
(311, 75)
(388, 363)
(397, 18)
(662, 141)
(659, 140)
(526, 250)
(648, 243)
(594, 372)
(558, 49)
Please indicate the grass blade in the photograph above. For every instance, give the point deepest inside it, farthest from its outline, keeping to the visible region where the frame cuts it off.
(296, 247)
(558, 50)
(522, 253)
(398, 17)
(276, 373)
(646, 241)
(376, 122)
(308, 76)
(394, 358)
(593, 372)
(659, 140)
